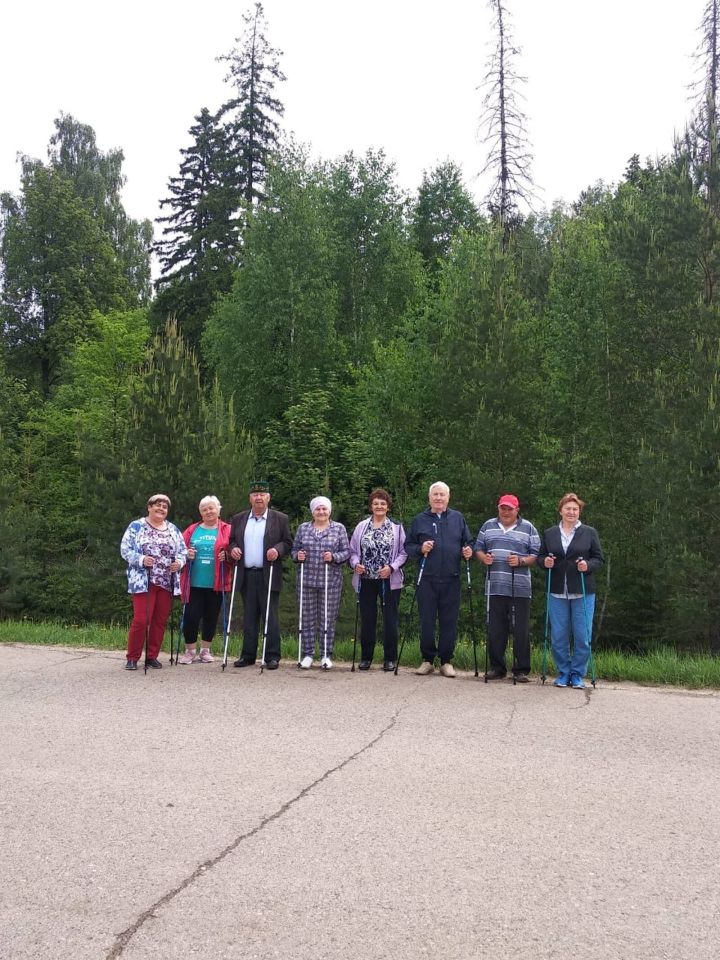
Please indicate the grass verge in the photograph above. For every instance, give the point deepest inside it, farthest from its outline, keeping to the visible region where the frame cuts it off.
(659, 667)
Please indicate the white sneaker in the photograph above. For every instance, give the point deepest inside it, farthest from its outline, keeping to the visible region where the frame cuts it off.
(326, 663)
(306, 663)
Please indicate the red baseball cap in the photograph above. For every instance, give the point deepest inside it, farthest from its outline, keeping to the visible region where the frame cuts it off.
(509, 500)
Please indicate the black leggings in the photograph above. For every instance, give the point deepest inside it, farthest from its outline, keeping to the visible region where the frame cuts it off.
(204, 604)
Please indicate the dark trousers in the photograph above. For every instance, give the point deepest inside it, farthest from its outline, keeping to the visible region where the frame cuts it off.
(203, 606)
(500, 628)
(373, 592)
(254, 594)
(438, 598)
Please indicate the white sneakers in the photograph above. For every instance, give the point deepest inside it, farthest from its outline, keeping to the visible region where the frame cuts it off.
(306, 662)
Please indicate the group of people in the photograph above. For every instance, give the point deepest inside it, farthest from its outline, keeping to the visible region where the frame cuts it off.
(212, 558)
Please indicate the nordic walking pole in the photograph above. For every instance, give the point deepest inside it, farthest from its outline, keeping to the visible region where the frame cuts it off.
(181, 628)
(512, 618)
(147, 621)
(300, 636)
(325, 631)
(357, 612)
(588, 628)
(229, 619)
(224, 605)
(267, 617)
(172, 616)
(472, 615)
(417, 584)
(487, 618)
(543, 674)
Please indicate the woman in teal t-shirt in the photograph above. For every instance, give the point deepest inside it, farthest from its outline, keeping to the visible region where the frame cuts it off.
(204, 579)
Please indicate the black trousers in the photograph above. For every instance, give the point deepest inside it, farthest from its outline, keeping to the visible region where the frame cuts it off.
(500, 628)
(203, 606)
(372, 593)
(438, 599)
(254, 594)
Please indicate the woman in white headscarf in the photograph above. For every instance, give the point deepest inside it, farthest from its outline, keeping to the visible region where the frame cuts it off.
(322, 546)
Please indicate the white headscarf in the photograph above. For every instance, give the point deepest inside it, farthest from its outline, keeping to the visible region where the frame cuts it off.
(320, 502)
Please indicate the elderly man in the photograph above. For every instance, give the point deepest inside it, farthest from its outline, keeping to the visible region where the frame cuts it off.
(508, 546)
(438, 538)
(258, 538)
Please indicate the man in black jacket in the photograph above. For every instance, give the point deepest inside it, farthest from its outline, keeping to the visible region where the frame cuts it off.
(259, 537)
(438, 539)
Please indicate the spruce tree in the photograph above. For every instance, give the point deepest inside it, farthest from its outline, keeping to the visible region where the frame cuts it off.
(199, 249)
(252, 114)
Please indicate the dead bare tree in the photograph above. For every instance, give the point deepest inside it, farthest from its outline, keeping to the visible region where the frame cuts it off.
(503, 128)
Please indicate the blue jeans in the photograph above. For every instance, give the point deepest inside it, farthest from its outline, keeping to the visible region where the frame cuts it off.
(567, 615)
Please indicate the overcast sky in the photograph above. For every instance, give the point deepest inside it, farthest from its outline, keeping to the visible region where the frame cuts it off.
(605, 80)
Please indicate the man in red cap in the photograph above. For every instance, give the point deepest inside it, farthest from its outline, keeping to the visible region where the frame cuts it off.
(508, 546)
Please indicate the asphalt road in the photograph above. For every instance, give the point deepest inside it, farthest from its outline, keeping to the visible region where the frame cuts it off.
(190, 813)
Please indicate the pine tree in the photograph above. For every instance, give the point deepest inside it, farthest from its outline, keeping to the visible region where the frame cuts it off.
(254, 110)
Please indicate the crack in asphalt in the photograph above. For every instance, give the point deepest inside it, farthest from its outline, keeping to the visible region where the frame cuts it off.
(124, 938)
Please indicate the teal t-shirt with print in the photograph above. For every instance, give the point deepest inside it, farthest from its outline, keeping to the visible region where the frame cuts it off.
(203, 566)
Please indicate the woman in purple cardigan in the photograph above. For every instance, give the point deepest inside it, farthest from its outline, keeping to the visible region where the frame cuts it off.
(377, 554)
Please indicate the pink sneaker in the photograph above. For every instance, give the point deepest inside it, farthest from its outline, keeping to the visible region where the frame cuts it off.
(206, 656)
(187, 657)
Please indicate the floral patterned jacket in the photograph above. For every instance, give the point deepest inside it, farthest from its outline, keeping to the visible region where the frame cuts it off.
(131, 550)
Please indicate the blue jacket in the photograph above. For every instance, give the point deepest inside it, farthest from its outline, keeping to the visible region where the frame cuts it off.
(450, 533)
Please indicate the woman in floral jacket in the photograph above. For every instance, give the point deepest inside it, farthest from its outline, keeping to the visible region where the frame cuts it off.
(154, 551)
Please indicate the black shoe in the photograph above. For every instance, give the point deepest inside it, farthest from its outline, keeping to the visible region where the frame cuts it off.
(243, 662)
(522, 678)
(495, 675)
(153, 664)
(131, 665)
(364, 664)
(389, 666)
(272, 664)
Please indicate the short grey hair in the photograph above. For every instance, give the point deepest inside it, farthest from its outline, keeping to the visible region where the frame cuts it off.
(208, 501)
(438, 485)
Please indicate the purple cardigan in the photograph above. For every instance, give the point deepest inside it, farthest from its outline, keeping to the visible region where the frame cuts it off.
(397, 559)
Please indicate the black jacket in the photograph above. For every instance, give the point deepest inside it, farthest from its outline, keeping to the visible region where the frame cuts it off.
(585, 544)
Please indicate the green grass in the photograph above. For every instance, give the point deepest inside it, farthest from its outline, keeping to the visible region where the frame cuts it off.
(661, 666)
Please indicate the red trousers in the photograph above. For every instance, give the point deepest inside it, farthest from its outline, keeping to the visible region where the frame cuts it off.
(149, 609)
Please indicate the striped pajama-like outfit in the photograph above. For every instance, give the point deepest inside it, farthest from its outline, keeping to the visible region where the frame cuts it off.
(316, 542)
(313, 617)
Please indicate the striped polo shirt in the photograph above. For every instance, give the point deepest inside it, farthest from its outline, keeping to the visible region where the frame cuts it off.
(523, 539)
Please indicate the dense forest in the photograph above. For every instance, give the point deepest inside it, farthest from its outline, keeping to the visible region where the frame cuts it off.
(315, 325)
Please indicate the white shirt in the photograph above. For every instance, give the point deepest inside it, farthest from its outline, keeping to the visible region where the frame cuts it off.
(253, 543)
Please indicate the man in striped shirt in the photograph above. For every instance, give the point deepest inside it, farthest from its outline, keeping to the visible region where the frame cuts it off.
(508, 546)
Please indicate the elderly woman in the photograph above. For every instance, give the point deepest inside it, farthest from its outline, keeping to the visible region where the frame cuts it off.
(321, 545)
(377, 554)
(204, 579)
(570, 549)
(154, 551)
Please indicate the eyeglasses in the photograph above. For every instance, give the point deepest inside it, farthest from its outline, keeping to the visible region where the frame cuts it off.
(160, 503)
